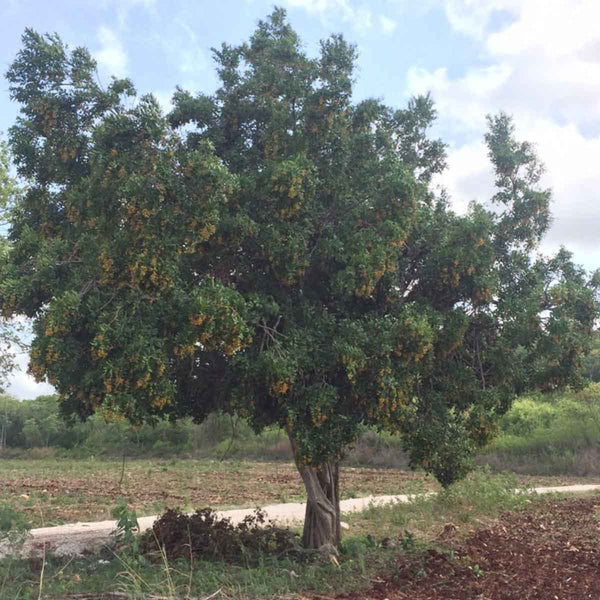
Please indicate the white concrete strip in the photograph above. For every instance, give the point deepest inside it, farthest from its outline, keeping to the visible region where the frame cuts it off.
(76, 538)
(567, 489)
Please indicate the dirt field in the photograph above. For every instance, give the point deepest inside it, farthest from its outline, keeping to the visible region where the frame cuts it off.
(57, 491)
(53, 493)
(549, 553)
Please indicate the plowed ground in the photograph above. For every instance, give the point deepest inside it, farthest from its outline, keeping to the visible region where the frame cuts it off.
(551, 552)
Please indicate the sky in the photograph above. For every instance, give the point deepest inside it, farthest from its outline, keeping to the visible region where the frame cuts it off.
(538, 60)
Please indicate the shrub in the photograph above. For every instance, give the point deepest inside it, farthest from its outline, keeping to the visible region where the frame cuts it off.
(481, 493)
(209, 537)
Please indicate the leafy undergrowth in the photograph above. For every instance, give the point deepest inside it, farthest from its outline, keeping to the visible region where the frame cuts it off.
(206, 536)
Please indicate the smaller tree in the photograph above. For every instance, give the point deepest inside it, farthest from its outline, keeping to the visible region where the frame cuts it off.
(10, 340)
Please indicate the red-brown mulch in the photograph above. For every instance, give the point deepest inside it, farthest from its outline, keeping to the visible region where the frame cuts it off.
(549, 553)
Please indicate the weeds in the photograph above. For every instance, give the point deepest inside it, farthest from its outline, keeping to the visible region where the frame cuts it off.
(127, 525)
(14, 527)
(482, 494)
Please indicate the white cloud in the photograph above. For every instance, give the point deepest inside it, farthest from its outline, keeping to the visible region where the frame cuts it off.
(23, 386)
(552, 27)
(462, 102)
(123, 8)
(572, 172)
(544, 69)
(165, 100)
(359, 17)
(388, 25)
(184, 48)
(111, 56)
(472, 17)
(193, 58)
(469, 175)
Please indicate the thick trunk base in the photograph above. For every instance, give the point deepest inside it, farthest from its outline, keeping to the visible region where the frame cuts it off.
(322, 519)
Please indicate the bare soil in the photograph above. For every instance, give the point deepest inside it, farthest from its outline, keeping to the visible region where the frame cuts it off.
(550, 552)
(67, 490)
(54, 496)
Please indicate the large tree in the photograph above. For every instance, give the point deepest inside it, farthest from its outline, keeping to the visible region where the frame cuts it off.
(277, 250)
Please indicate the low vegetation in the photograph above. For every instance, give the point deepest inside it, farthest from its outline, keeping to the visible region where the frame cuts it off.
(553, 434)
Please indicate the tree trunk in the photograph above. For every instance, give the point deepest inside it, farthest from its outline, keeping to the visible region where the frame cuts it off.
(322, 519)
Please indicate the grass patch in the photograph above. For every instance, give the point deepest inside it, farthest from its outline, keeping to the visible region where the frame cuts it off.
(481, 496)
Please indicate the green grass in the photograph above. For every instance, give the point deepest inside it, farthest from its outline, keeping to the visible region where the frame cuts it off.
(483, 494)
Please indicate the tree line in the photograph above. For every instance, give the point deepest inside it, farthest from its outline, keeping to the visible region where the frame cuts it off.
(38, 423)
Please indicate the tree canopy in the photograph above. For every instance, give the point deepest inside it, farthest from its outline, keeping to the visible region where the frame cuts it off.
(277, 250)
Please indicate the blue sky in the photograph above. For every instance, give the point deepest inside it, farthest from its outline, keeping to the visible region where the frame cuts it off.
(539, 60)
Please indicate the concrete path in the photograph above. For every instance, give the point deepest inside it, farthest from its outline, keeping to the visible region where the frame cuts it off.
(76, 538)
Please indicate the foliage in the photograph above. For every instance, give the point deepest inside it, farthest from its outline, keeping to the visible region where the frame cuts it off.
(591, 363)
(14, 526)
(554, 434)
(37, 424)
(276, 251)
(10, 342)
(127, 525)
(482, 493)
(206, 536)
(12, 520)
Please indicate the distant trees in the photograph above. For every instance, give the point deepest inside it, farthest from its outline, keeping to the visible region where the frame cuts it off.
(276, 251)
(37, 423)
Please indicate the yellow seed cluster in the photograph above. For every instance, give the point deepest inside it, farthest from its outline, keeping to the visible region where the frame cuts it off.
(318, 417)
(98, 353)
(142, 382)
(372, 279)
(482, 296)
(406, 353)
(159, 401)
(53, 329)
(67, 153)
(231, 348)
(452, 275)
(290, 211)
(142, 274)
(197, 320)
(35, 369)
(107, 264)
(73, 215)
(51, 355)
(183, 351)
(280, 387)
(49, 116)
